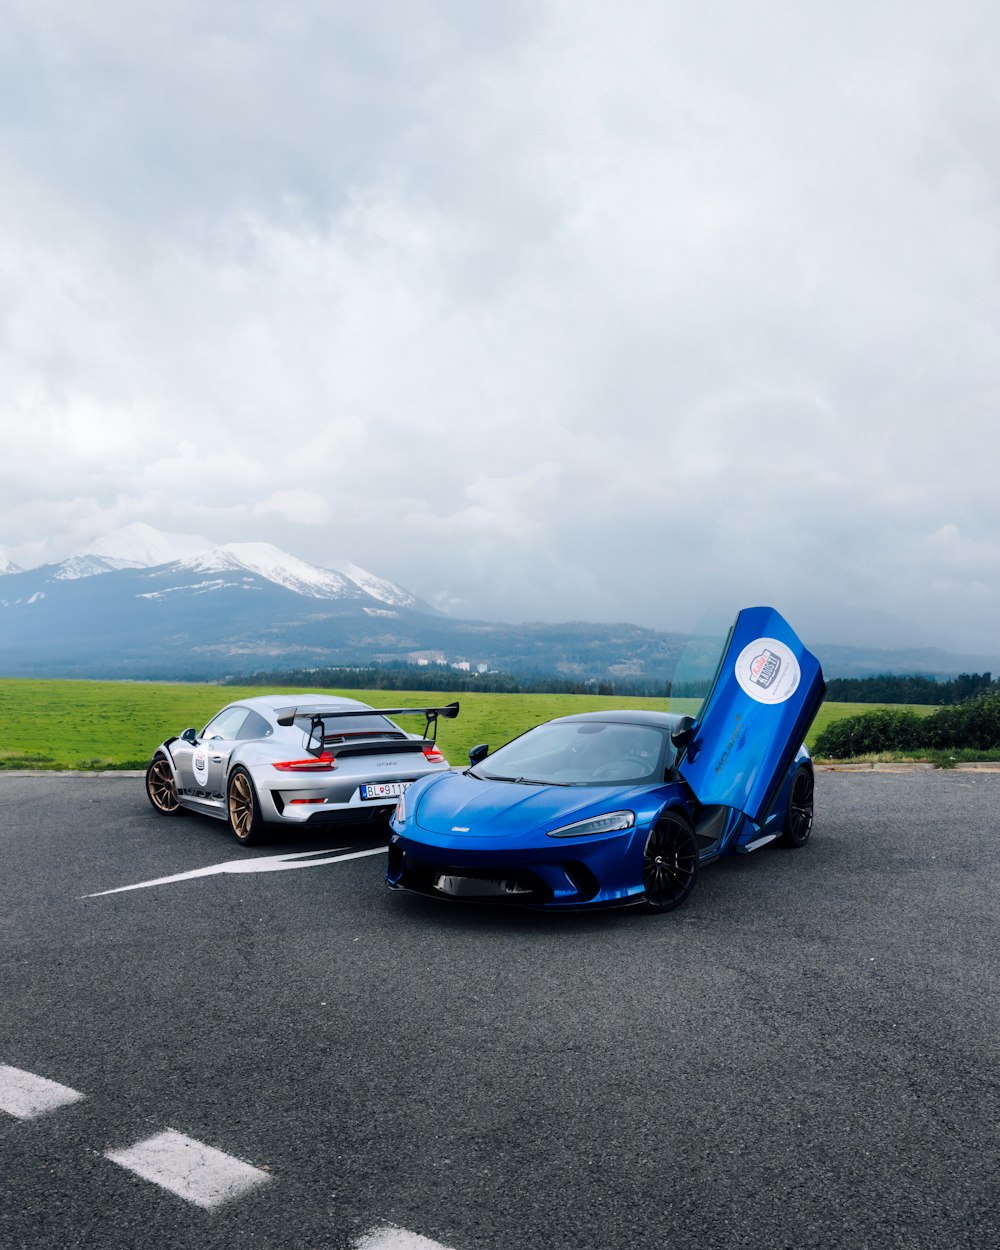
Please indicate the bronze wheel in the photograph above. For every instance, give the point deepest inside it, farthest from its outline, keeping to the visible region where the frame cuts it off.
(244, 811)
(161, 789)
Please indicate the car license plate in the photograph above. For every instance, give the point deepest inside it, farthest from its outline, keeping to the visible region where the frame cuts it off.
(385, 790)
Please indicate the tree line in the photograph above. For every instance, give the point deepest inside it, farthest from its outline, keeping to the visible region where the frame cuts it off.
(892, 688)
(452, 680)
(885, 688)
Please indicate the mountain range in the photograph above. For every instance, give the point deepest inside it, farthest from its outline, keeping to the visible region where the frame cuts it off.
(145, 604)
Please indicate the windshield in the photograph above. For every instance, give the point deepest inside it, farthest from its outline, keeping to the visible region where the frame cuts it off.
(582, 753)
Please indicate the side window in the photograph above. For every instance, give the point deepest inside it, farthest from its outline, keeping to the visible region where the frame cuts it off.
(254, 726)
(227, 724)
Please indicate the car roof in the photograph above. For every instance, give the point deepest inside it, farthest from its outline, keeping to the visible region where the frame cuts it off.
(271, 702)
(627, 716)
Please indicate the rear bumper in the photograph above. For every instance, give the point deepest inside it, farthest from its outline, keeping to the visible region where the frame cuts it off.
(286, 799)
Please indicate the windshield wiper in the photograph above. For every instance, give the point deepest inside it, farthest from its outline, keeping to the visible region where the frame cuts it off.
(516, 781)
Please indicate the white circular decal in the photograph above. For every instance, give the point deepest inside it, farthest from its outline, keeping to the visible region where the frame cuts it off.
(768, 671)
(201, 768)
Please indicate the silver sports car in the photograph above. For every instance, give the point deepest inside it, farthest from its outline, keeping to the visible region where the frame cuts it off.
(280, 759)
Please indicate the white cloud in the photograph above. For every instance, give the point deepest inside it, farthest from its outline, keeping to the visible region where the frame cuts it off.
(303, 507)
(545, 311)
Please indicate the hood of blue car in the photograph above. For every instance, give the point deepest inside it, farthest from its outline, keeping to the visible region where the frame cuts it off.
(465, 806)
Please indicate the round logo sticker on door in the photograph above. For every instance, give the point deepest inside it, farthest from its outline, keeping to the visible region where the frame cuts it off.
(767, 671)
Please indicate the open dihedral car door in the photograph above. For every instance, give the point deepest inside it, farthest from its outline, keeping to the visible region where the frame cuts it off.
(766, 693)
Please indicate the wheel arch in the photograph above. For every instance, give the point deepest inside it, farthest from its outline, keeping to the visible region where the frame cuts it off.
(789, 836)
(256, 830)
(163, 752)
(686, 863)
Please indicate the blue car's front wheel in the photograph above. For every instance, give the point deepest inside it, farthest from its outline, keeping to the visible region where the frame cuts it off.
(669, 863)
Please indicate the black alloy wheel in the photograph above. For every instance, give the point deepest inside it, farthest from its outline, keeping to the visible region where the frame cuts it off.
(669, 863)
(799, 818)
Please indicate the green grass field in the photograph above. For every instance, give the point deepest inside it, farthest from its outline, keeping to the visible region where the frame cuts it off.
(110, 724)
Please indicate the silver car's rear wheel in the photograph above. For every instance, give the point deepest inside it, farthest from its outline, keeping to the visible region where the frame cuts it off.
(161, 789)
(243, 809)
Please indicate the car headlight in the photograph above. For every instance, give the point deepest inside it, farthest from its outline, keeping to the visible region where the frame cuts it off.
(596, 824)
(400, 812)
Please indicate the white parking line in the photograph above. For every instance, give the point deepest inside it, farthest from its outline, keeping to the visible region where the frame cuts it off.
(24, 1095)
(189, 1169)
(259, 863)
(389, 1237)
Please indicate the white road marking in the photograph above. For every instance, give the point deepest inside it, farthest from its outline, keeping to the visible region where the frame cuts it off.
(259, 863)
(189, 1169)
(24, 1095)
(389, 1237)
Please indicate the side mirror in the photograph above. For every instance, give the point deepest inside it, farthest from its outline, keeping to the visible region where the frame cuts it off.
(478, 753)
(190, 735)
(684, 732)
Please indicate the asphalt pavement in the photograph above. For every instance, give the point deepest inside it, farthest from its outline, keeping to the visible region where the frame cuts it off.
(805, 1055)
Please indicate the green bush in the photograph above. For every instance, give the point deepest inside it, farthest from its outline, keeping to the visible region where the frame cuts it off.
(973, 725)
(885, 729)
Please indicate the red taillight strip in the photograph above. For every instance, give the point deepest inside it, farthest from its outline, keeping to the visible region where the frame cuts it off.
(433, 755)
(324, 763)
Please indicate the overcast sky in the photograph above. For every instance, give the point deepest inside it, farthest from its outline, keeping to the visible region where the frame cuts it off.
(544, 310)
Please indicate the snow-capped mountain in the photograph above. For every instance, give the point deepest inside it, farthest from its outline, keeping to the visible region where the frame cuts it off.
(135, 546)
(377, 587)
(119, 607)
(346, 581)
(138, 582)
(276, 566)
(141, 546)
(78, 566)
(7, 565)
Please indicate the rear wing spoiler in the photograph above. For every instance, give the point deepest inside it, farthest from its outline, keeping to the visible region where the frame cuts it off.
(286, 716)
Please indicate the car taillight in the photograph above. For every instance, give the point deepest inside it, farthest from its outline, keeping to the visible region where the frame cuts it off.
(433, 755)
(324, 763)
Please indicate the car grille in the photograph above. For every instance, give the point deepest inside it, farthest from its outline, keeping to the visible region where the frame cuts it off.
(522, 885)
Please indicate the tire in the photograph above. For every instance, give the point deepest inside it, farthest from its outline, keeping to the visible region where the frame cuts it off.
(161, 789)
(243, 809)
(799, 817)
(669, 863)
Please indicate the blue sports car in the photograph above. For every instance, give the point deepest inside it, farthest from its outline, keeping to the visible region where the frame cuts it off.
(622, 807)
